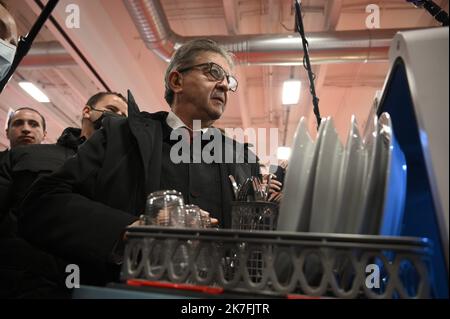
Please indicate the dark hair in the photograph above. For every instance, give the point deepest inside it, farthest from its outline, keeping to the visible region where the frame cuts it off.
(94, 99)
(29, 109)
(186, 55)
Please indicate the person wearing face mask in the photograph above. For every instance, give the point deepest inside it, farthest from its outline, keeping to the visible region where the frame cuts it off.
(26, 272)
(99, 106)
(87, 204)
(22, 165)
(8, 41)
(7, 53)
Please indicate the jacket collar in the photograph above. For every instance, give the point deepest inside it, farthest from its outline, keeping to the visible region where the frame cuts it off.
(175, 122)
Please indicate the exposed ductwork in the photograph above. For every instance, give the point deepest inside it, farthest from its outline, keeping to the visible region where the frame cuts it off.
(276, 49)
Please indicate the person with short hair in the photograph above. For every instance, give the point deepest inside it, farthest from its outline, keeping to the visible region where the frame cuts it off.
(25, 126)
(25, 271)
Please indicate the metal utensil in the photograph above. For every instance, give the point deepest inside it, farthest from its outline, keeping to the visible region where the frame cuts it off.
(269, 179)
(235, 186)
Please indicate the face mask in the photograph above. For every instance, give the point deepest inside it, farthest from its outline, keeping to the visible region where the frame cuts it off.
(98, 122)
(7, 53)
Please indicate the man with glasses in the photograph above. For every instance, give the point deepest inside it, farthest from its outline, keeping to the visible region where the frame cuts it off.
(24, 270)
(85, 207)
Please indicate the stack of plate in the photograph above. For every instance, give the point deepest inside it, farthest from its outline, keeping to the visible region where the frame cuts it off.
(358, 188)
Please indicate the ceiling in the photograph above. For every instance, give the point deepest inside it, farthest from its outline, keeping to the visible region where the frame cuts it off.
(107, 51)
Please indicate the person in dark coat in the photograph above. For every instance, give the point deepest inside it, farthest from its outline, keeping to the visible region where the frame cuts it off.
(25, 126)
(27, 272)
(81, 211)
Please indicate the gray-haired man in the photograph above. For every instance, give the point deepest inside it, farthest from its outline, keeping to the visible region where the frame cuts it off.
(81, 211)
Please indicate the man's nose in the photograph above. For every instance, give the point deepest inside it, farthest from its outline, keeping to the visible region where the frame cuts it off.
(223, 85)
(26, 128)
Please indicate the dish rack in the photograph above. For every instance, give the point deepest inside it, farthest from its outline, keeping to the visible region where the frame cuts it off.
(275, 263)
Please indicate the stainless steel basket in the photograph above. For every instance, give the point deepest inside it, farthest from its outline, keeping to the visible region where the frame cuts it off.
(253, 216)
(307, 264)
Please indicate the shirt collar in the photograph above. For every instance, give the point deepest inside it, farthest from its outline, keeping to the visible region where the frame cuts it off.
(175, 122)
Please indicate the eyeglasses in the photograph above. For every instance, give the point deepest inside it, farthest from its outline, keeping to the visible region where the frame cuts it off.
(216, 72)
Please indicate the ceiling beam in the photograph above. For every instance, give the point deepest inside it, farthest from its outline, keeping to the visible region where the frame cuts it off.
(230, 8)
(242, 98)
(332, 13)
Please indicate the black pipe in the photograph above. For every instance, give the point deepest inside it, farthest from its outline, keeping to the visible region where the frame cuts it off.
(440, 15)
(306, 63)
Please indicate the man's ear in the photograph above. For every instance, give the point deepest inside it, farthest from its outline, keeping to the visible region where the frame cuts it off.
(176, 81)
(45, 135)
(86, 112)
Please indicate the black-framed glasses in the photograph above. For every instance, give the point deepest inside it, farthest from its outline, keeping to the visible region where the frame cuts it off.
(216, 72)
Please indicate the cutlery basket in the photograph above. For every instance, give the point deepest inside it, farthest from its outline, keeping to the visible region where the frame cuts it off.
(254, 215)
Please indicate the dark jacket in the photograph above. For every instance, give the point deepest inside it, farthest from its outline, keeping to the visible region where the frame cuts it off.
(24, 164)
(80, 212)
(27, 272)
(3, 155)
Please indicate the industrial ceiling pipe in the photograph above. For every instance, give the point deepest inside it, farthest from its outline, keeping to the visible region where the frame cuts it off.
(275, 49)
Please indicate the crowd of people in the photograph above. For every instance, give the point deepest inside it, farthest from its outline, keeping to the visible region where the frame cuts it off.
(70, 202)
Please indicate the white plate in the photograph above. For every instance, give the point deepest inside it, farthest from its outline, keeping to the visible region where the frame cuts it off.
(293, 214)
(386, 189)
(393, 187)
(370, 179)
(352, 183)
(326, 192)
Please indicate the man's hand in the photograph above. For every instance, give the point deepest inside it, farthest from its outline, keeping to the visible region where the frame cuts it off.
(275, 193)
(275, 186)
(208, 221)
(163, 220)
(138, 222)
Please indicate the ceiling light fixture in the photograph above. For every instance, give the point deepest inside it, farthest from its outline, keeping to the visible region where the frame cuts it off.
(34, 92)
(291, 92)
(283, 152)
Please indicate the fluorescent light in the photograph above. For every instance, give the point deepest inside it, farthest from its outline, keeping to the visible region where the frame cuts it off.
(34, 91)
(291, 92)
(283, 153)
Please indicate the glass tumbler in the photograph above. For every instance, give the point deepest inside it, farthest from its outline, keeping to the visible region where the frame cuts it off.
(165, 208)
(193, 216)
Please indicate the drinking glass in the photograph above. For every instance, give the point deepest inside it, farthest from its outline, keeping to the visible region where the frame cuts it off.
(165, 208)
